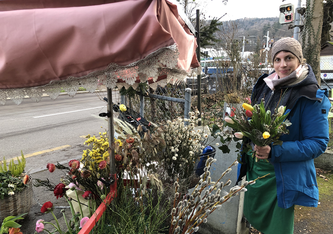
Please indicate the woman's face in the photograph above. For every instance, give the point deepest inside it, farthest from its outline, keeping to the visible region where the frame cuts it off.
(285, 63)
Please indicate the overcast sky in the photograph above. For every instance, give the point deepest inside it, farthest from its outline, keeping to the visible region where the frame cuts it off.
(237, 9)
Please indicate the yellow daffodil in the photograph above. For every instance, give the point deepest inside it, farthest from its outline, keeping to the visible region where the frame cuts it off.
(122, 107)
(266, 135)
(119, 141)
(247, 107)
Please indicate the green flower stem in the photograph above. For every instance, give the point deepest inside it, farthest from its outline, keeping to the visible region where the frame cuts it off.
(77, 197)
(71, 205)
(90, 208)
(69, 228)
(52, 225)
(55, 218)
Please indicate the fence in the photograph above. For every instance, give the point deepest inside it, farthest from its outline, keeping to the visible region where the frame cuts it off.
(165, 103)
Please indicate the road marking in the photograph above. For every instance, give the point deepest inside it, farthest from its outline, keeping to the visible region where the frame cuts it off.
(40, 152)
(67, 112)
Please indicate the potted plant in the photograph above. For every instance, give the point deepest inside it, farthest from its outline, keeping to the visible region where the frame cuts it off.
(15, 189)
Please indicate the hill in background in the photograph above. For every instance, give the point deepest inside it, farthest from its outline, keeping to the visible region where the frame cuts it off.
(256, 28)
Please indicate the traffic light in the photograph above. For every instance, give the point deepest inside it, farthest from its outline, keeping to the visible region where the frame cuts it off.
(286, 14)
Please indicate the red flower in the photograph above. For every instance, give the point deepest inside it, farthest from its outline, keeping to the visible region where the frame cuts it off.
(51, 167)
(46, 207)
(102, 165)
(118, 157)
(25, 179)
(74, 164)
(87, 194)
(248, 113)
(59, 190)
(130, 140)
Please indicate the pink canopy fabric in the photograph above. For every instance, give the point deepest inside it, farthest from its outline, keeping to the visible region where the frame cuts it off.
(45, 49)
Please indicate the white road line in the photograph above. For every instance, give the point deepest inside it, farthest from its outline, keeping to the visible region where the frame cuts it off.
(67, 112)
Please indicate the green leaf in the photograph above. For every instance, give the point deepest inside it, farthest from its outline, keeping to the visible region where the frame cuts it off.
(225, 149)
(11, 224)
(215, 129)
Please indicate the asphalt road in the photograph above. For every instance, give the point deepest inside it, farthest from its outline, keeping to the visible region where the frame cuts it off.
(50, 126)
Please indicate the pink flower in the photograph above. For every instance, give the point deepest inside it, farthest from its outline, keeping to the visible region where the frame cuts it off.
(83, 221)
(73, 186)
(39, 225)
(239, 135)
(228, 120)
(100, 184)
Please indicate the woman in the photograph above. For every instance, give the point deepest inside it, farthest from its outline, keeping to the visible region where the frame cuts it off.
(269, 204)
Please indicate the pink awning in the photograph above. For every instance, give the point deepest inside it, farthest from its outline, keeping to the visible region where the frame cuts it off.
(46, 49)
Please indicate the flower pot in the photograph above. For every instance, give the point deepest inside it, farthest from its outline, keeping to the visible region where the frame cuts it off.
(17, 204)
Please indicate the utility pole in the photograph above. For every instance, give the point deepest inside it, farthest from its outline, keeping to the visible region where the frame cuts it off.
(267, 49)
(243, 47)
(297, 20)
(198, 57)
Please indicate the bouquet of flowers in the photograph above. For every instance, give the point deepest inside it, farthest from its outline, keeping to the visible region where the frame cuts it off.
(260, 126)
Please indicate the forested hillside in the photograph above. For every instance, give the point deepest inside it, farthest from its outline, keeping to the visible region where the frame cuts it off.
(255, 29)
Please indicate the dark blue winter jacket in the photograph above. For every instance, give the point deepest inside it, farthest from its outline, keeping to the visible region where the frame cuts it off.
(293, 161)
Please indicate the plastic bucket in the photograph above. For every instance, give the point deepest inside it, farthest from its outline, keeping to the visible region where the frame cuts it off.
(202, 161)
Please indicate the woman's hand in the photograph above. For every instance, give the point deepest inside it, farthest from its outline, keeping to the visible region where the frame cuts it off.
(262, 152)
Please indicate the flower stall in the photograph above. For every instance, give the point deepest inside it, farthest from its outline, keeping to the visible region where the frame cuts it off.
(59, 44)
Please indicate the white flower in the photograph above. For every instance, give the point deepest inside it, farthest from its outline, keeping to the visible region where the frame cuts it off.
(11, 186)
(217, 144)
(174, 158)
(205, 135)
(11, 193)
(176, 155)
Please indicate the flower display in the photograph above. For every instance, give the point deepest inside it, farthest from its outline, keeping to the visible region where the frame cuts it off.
(263, 128)
(59, 190)
(10, 184)
(47, 206)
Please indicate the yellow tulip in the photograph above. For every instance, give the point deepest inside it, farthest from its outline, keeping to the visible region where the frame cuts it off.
(122, 107)
(247, 107)
(266, 135)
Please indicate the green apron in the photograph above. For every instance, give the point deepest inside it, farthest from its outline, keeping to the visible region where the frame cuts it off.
(260, 202)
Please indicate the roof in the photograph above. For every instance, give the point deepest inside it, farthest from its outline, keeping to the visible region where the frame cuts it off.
(327, 49)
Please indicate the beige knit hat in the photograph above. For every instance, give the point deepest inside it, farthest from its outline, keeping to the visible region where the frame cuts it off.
(288, 44)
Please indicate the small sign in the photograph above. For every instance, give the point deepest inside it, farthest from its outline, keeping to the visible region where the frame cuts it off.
(325, 75)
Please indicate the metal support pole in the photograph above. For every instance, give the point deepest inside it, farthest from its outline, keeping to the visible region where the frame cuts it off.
(198, 57)
(111, 133)
(187, 104)
(123, 99)
(297, 20)
(142, 106)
